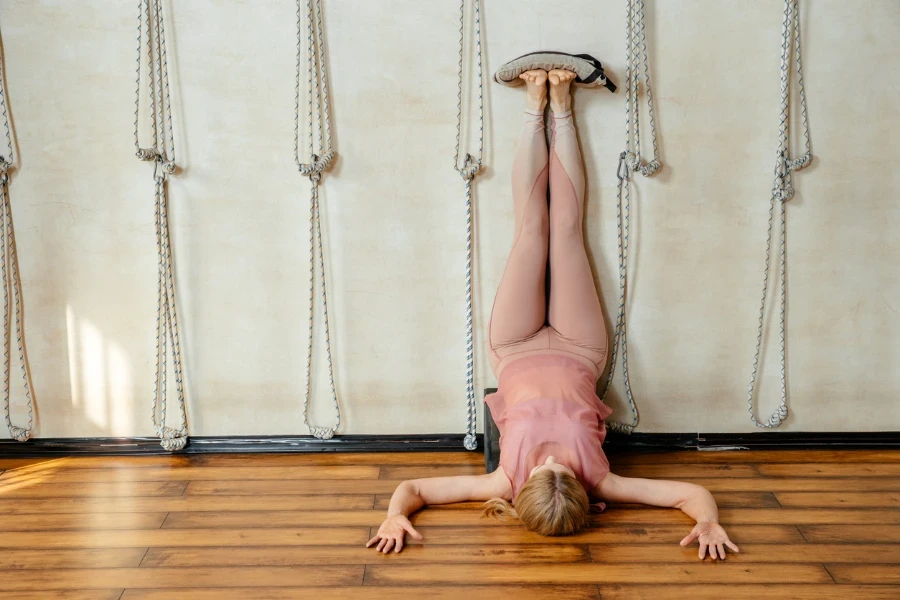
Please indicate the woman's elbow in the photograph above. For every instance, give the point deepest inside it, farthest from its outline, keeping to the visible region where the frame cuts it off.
(407, 487)
(691, 493)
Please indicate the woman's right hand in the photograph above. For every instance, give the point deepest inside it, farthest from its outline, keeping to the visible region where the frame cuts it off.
(392, 532)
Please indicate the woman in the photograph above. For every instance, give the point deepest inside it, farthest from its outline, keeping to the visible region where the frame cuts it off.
(548, 356)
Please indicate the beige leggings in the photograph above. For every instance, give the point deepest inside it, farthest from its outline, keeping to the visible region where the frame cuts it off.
(523, 320)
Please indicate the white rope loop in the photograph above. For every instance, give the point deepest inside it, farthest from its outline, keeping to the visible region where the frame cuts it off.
(9, 272)
(637, 65)
(13, 284)
(151, 43)
(470, 167)
(316, 167)
(468, 170)
(782, 191)
(321, 156)
(170, 439)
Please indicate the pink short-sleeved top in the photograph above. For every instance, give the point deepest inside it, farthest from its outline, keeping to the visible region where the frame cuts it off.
(548, 405)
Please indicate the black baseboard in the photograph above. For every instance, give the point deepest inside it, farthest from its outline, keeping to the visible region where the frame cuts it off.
(236, 444)
(644, 442)
(770, 440)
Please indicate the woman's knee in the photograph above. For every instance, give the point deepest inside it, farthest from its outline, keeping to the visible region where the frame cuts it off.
(535, 224)
(567, 221)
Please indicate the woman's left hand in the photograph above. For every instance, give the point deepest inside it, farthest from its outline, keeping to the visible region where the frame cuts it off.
(712, 536)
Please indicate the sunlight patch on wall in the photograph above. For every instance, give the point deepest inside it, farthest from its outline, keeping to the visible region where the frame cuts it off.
(119, 390)
(100, 376)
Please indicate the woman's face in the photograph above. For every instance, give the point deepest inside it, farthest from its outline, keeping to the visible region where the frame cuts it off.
(552, 465)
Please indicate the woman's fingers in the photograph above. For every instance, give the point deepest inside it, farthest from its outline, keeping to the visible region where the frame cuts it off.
(412, 531)
(389, 545)
(714, 542)
(690, 538)
(388, 542)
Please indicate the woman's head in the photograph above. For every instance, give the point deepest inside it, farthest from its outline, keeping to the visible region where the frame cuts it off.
(551, 502)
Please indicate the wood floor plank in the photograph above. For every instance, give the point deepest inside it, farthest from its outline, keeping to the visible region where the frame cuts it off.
(295, 459)
(493, 592)
(64, 595)
(279, 488)
(354, 472)
(382, 501)
(778, 591)
(16, 463)
(755, 456)
(802, 484)
(669, 471)
(179, 578)
(419, 471)
(467, 518)
(751, 516)
(92, 521)
(840, 499)
(106, 462)
(738, 500)
(855, 534)
(858, 470)
(752, 553)
(622, 534)
(155, 538)
(81, 558)
(183, 503)
(278, 519)
(683, 471)
(347, 555)
(866, 574)
(596, 573)
(805, 516)
(731, 500)
(49, 489)
(723, 499)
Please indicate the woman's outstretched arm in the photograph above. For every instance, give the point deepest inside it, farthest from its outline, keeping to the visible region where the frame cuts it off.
(694, 500)
(412, 495)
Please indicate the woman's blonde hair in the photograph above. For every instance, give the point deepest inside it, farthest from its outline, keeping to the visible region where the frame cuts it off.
(549, 503)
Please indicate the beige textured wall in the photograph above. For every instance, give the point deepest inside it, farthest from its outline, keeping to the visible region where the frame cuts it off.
(394, 211)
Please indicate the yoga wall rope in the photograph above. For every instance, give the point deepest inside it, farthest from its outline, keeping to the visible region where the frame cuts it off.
(321, 156)
(162, 154)
(469, 168)
(782, 191)
(630, 160)
(9, 268)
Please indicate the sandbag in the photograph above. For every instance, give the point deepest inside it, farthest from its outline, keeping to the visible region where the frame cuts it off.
(588, 70)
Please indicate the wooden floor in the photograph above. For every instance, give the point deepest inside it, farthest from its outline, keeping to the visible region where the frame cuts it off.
(811, 525)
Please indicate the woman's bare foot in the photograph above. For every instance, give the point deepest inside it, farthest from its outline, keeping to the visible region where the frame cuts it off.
(560, 98)
(536, 81)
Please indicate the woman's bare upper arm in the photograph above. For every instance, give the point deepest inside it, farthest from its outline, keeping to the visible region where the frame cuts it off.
(462, 488)
(624, 490)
